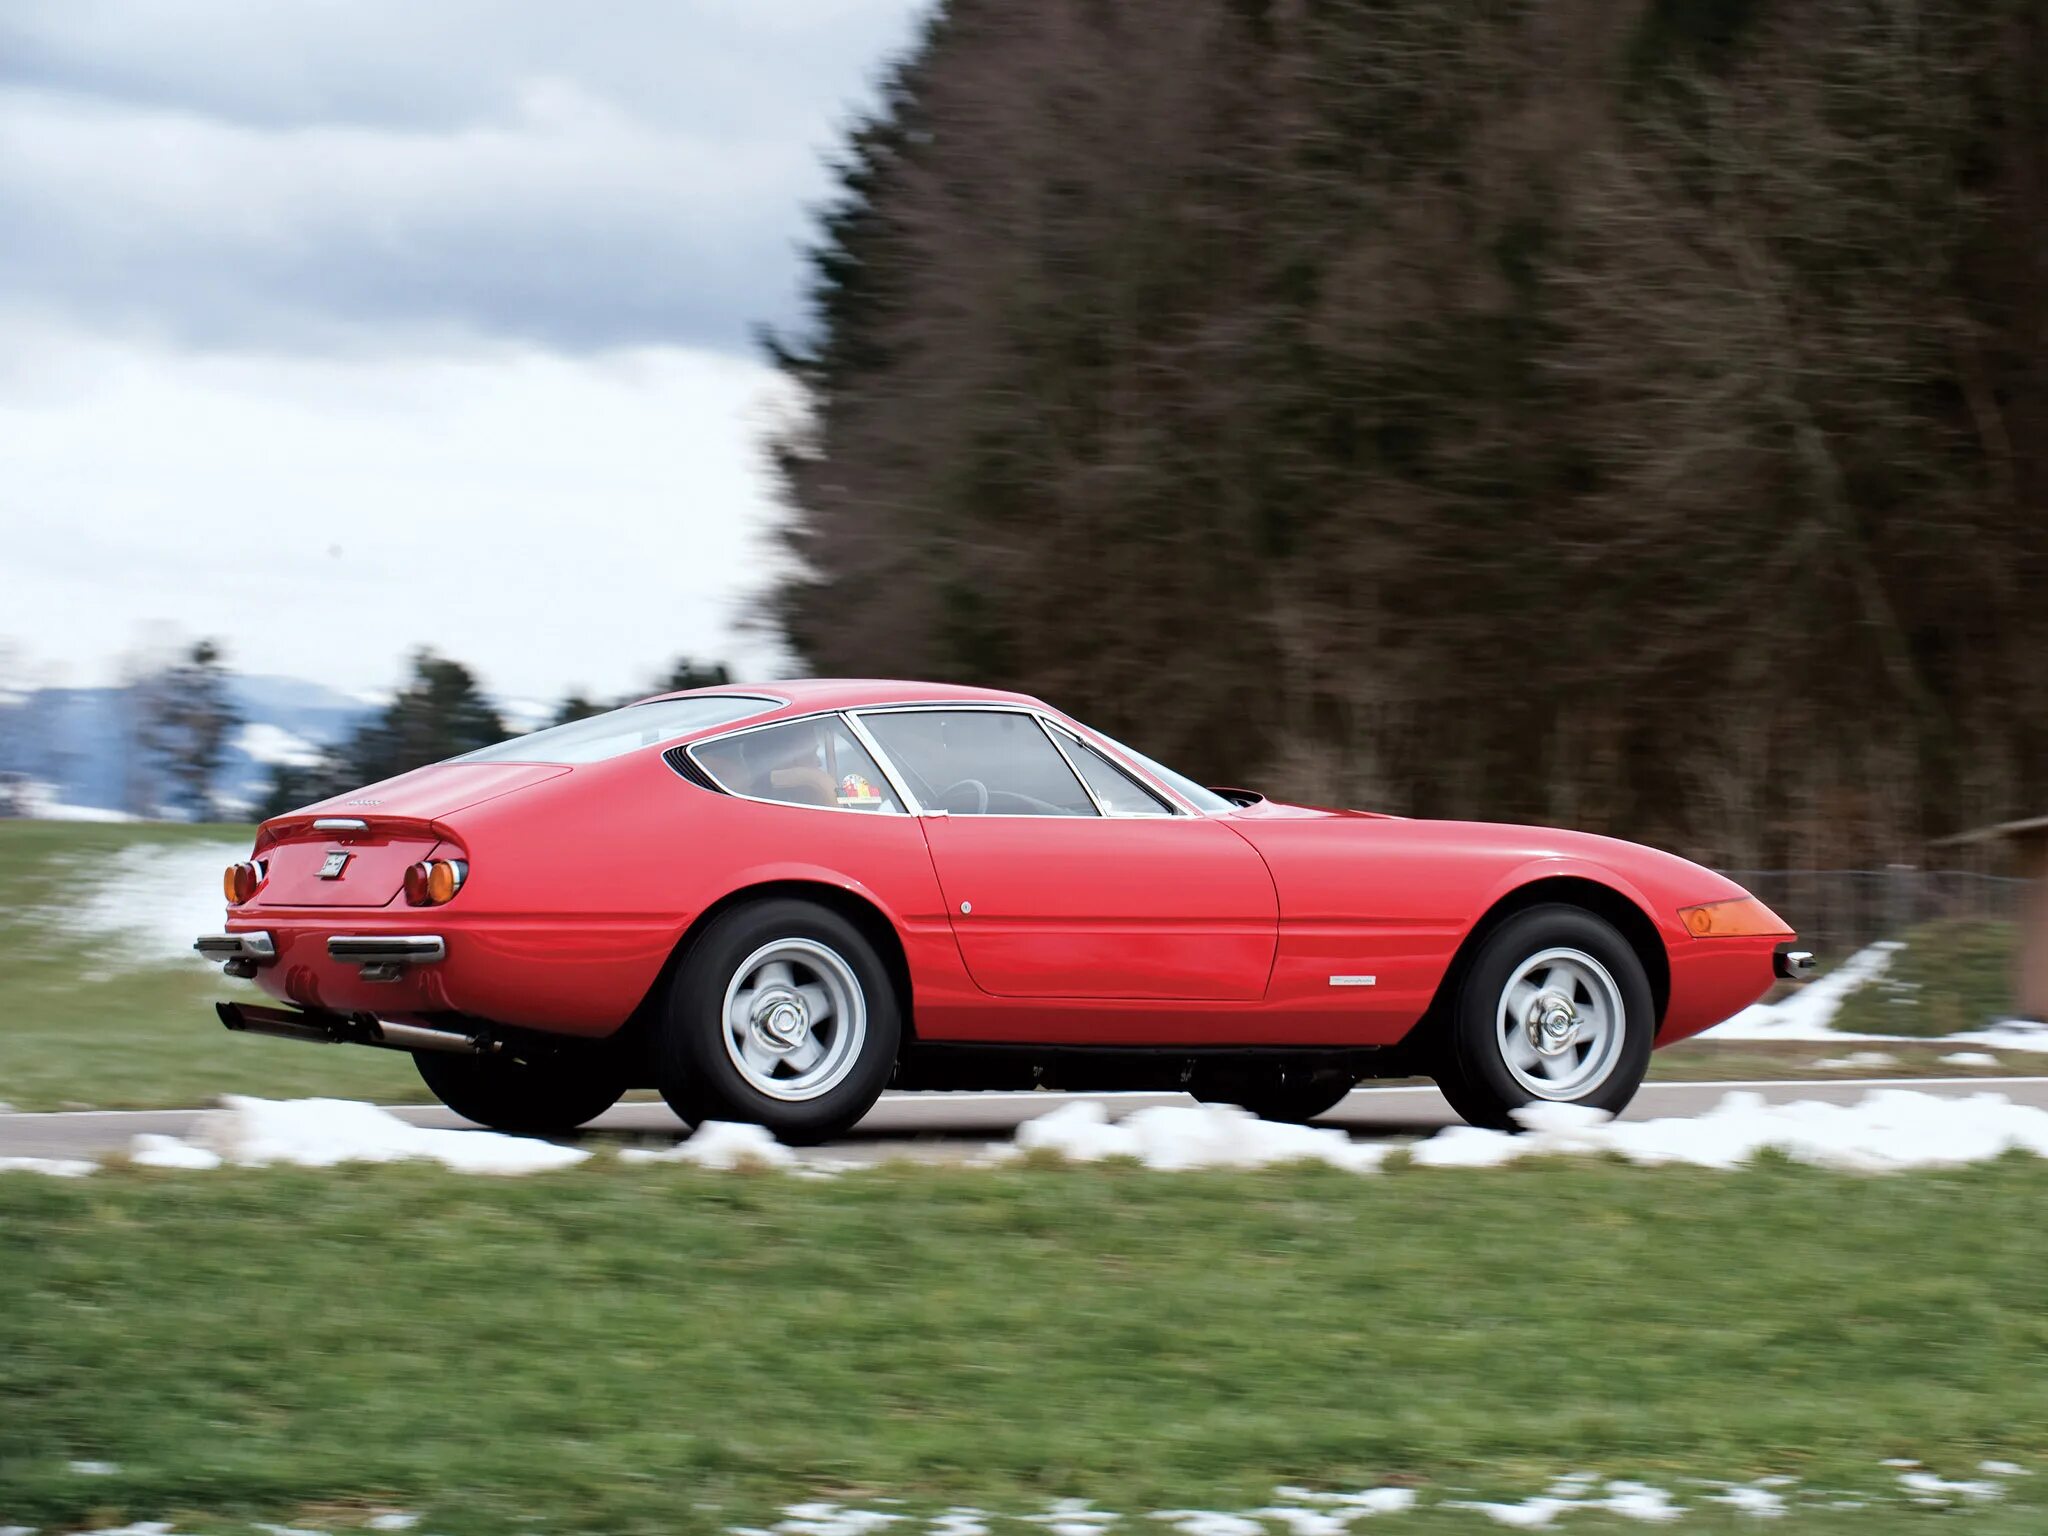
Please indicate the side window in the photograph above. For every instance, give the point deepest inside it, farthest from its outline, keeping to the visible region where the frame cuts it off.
(806, 762)
(1117, 790)
(979, 763)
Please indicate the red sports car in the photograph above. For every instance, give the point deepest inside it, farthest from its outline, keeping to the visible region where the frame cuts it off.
(772, 903)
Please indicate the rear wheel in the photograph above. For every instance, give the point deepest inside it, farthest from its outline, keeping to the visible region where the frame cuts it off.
(1292, 1094)
(781, 1015)
(539, 1096)
(1555, 1008)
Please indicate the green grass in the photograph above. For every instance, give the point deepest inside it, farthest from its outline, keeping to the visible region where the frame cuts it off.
(84, 1025)
(660, 1350)
(1952, 975)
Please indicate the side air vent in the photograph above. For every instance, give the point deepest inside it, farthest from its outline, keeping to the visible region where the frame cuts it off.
(679, 759)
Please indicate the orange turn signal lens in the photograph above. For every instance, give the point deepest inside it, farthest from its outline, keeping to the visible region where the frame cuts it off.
(238, 883)
(1741, 916)
(429, 885)
(444, 879)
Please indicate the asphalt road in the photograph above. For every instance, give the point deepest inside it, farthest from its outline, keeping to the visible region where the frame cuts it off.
(947, 1127)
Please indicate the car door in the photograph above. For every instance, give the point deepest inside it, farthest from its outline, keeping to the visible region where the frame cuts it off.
(1051, 897)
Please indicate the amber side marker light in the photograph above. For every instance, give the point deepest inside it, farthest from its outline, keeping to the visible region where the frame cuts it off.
(429, 885)
(238, 882)
(1738, 917)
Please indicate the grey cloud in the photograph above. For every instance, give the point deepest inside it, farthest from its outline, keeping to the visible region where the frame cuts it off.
(579, 177)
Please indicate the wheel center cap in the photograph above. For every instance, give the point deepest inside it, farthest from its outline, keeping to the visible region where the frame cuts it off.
(1553, 1026)
(781, 1022)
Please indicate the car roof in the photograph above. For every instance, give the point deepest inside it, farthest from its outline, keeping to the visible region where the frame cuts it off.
(813, 693)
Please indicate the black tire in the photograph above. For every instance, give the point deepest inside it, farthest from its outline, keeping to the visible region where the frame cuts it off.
(703, 1077)
(548, 1094)
(1472, 1066)
(1274, 1092)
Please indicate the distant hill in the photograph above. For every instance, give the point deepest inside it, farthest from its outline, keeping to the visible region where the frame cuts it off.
(73, 741)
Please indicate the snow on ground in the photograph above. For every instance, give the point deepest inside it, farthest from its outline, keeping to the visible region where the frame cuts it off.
(319, 1133)
(1857, 1061)
(1970, 1059)
(145, 905)
(276, 746)
(1808, 1013)
(1303, 1512)
(1300, 1512)
(2009, 1035)
(1888, 1130)
(720, 1144)
(1209, 1136)
(57, 1167)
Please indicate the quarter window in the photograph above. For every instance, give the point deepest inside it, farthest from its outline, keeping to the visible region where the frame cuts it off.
(806, 762)
(1120, 794)
(979, 763)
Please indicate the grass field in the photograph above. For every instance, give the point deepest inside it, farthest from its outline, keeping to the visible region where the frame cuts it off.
(121, 1018)
(661, 1350)
(97, 1013)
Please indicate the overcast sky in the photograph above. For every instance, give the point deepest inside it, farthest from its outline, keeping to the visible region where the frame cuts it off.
(338, 327)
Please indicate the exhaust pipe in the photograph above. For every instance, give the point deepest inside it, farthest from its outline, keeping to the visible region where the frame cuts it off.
(419, 1037)
(323, 1027)
(287, 1023)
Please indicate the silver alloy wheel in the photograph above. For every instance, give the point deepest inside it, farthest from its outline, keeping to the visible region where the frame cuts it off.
(794, 1019)
(1561, 1024)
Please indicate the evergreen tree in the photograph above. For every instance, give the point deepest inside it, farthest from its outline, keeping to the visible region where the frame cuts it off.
(1630, 414)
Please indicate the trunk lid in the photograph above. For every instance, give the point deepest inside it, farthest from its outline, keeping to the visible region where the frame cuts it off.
(383, 830)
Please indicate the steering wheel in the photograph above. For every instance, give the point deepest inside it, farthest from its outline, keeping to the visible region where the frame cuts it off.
(980, 794)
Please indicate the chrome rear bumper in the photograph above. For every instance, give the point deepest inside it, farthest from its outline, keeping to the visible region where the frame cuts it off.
(241, 952)
(384, 957)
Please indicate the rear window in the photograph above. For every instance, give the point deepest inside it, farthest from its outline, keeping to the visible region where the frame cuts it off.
(622, 730)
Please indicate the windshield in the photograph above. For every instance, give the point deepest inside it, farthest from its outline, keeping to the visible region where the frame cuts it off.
(621, 730)
(1201, 799)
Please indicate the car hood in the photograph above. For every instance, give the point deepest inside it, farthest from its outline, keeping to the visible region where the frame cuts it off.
(1506, 850)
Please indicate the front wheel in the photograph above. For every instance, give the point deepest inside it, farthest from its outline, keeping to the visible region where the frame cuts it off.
(1555, 1008)
(548, 1095)
(781, 1015)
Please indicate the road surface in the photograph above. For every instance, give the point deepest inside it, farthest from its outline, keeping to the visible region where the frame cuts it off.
(950, 1127)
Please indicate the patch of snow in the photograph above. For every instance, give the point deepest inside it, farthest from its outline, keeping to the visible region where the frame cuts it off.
(1630, 1500)
(154, 1151)
(1888, 1129)
(720, 1144)
(824, 1518)
(2002, 1468)
(277, 747)
(1209, 1522)
(97, 1469)
(319, 1133)
(1808, 1013)
(1930, 1489)
(1208, 1136)
(56, 1167)
(1533, 1514)
(2007, 1035)
(1750, 1499)
(1970, 1059)
(1856, 1060)
(396, 1520)
(148, 903)
(1076, 1517)
(962, 1520)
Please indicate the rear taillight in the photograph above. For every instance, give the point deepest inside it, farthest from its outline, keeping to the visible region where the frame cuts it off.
(238, 882)
(431, 884)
